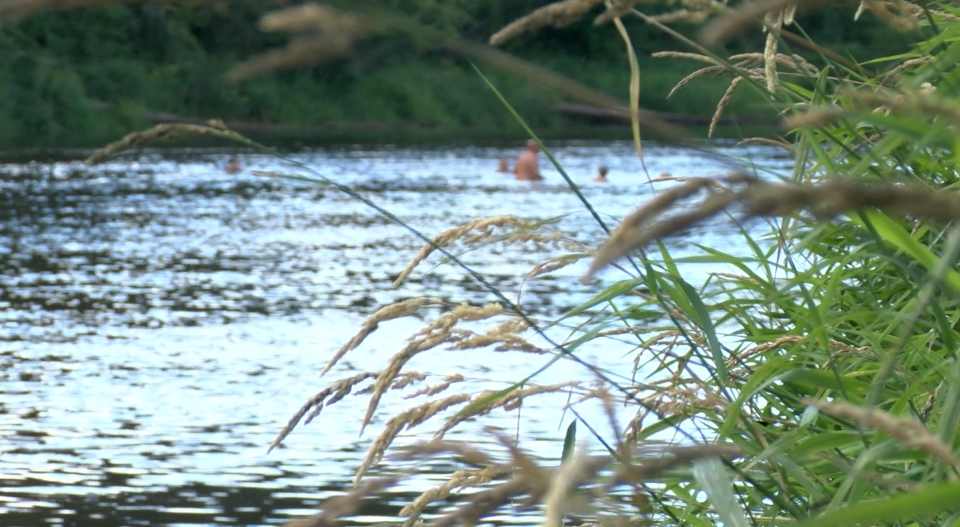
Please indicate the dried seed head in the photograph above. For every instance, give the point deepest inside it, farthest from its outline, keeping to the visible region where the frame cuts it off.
(320, 34)
(736, 21)
(507, 401)
(813, 119)
(310, 17)
(449, 236)
(391, 312)
(773, 23)
(433, 390)
(558, 14)
(635, 231)
(161, 132)
(458, 480)
(722, 105)
(325, 397)
(408, 419)
(340, 506)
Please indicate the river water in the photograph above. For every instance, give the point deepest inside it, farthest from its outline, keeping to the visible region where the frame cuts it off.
(161, 320)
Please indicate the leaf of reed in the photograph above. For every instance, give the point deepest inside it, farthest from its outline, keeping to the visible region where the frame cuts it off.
(715, 256)
(701, 316)
(668, 423)
(668, 261)
(825, 380)
(760, 378)
(685, 497)
(712, 477)
(890, 58)
(947, 430)
(896, 235)
(825, 441)
(587, 336)
(472, 407)
(913, 128)
(641, 314)
(929, 500)
(803, 92)
(800, 474)
(594, 433)
(569, 441)
(613, 291)
(887, 148)
(634, 87)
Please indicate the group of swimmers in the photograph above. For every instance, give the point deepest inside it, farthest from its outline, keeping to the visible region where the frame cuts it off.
(527, 167)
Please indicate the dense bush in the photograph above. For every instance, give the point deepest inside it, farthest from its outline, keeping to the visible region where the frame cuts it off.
(171, 57)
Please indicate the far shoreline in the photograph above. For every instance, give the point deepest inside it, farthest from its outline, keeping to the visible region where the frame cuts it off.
(408, 135)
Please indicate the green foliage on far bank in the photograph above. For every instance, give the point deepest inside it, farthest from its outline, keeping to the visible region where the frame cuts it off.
(57, 69)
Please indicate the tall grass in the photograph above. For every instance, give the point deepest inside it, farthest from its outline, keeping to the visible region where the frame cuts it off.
(815, 381)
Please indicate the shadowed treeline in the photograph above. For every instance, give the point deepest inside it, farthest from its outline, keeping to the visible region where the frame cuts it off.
(86, 76)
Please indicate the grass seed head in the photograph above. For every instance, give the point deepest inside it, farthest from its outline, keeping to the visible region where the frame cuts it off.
(391, 312)
(448, 381)
(507, 401)
(337, 390)
(160, 132)
(557, 14)
(407, 419)
(483, 225)
(320, 34)
(722, 105)
(735, 21)
(458, 480)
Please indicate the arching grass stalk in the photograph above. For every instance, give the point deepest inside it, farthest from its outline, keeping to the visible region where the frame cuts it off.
(634, 92)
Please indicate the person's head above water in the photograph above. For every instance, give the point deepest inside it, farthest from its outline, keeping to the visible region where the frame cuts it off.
(233, 166)
(532, 146)
(601, 176)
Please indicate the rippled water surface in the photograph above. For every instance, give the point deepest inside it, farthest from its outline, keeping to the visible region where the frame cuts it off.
(160, 320)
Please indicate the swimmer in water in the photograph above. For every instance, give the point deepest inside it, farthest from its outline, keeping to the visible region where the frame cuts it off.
(503, 167)
(527, 167)
(233, 166)
(601, 175)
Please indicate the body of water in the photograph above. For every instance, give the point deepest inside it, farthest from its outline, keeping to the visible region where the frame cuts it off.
(161, 320)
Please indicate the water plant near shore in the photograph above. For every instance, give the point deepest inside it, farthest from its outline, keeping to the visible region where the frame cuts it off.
(815, 381)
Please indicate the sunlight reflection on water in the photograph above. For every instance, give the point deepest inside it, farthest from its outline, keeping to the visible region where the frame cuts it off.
(160, 320)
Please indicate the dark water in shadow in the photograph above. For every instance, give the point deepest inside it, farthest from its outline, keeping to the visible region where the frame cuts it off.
(160, 320)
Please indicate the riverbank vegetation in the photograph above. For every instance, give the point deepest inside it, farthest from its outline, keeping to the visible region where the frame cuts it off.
(813, 379)
(83, 77)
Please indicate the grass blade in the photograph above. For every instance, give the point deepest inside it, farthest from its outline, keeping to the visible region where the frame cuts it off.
(932, 499)
(712, 476)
